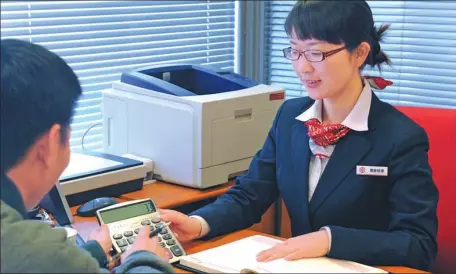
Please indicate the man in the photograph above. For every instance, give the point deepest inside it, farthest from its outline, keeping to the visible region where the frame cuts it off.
(38, 95)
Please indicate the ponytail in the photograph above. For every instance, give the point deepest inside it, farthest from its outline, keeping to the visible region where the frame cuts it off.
(377, 56)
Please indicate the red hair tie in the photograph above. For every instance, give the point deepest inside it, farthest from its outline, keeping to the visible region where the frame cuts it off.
(377, 82)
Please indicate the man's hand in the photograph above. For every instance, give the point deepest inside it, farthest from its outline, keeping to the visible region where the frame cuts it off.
(101, 235)
(185, 228)
(315, 244)
(143, 242)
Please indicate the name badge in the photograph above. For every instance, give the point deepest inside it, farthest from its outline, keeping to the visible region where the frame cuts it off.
(372, 170)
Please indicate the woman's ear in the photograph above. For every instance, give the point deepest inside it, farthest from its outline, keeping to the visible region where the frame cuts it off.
(361, 52)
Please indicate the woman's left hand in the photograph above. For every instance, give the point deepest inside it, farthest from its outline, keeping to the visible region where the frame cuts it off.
(311, 245)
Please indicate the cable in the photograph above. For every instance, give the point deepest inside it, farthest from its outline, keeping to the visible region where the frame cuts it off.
(87, 131)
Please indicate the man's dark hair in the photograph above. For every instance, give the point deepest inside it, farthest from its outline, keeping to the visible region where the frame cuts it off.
(38, 90)
(349, 22)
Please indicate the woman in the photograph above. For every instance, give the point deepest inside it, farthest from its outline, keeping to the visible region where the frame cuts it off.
(352, 170)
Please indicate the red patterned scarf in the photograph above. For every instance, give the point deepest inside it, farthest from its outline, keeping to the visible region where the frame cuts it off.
(324, 135)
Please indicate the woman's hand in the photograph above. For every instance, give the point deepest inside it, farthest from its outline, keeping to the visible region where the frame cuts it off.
(311, 245)
(184, 228)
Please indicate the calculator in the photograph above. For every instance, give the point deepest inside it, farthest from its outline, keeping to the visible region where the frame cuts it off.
(125, 219)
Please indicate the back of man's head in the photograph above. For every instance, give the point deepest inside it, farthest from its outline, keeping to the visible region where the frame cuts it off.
(38, 90)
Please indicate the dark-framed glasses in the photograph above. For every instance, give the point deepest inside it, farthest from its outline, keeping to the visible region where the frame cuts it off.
(312, 55)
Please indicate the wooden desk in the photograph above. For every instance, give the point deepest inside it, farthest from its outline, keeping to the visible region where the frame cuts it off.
(166, 195)
(198, 246)
(169, 196)
(85, 225)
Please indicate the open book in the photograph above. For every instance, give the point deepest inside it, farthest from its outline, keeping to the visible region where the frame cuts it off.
(240, 257)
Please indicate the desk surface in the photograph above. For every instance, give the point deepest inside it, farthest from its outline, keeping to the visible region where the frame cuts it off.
(167, 195)
(85, 225)
(198, 246)
(164, 195)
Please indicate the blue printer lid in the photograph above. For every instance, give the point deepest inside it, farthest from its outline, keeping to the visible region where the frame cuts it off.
(119, 163)
(186, 80)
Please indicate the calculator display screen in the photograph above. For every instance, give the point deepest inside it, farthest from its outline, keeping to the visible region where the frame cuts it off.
(126, 212)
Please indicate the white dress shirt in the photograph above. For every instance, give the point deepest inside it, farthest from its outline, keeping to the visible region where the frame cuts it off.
(356, 120)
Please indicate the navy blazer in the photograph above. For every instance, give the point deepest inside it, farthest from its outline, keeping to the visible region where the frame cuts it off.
(375, 220)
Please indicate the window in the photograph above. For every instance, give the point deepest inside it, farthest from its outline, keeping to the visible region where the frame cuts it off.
(421, 43)
(102, 39)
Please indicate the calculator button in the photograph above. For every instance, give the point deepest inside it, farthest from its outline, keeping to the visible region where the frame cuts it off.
(122, 242)
(164, 231)
(137, 231)
(162, 244)
(177, 251)
(170, 256)
(156, 220)
(145, 222)
(167, 237)
(117, 236)
(151, 227)
(128, 233)
(170, 242)
(122, 249)
(131, 240)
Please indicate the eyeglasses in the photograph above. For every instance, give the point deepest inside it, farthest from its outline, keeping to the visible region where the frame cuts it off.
(312, 55)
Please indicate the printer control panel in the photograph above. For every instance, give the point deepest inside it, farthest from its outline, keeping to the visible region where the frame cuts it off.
(125, 220)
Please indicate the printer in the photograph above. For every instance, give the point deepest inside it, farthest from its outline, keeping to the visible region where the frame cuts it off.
(199, 125)
(92, 174)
